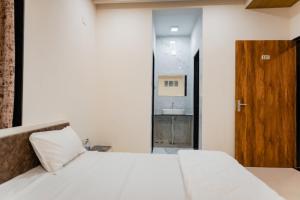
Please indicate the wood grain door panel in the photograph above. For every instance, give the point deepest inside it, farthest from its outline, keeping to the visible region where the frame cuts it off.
(254, 4)
(265, 128)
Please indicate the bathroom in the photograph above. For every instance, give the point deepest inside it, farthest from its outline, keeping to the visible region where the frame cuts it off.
(177, 77)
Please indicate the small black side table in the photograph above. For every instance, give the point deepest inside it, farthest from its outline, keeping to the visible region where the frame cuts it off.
(101, 148)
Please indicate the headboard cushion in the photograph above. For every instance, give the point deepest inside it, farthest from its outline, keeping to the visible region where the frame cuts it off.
(16, 153)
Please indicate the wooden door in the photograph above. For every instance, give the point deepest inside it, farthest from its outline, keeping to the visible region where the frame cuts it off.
(265, 128)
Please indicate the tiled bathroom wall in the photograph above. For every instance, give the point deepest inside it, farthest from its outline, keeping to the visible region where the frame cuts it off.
(173, 57)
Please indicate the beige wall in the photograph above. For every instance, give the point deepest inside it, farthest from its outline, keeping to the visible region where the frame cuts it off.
(196, 44)
(124, 41)
(295, 21)
(125, 54)
(60, 67)
(106, 99)
(222, 25)
(106, 92)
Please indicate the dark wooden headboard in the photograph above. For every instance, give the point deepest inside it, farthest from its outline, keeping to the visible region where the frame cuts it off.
(16, 153)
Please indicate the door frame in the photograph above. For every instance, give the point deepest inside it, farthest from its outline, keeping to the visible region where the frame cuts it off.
(19, 61)
(297, 40)
(196, 99)
(152, 109)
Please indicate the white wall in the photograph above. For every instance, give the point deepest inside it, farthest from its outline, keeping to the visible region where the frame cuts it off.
(196, 37)
(60, 67)
(196, 44)
(222, 26)
(153, 39)
(125, 44)
(295, 21)
(105, 93)
(109, 99)
(124, 40)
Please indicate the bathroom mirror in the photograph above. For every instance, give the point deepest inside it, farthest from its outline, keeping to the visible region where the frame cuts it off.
(172, 85)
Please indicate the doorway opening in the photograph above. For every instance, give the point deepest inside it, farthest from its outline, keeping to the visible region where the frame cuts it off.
(176, 108)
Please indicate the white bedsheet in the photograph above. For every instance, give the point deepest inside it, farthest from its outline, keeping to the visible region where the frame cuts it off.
(192, 175)
(102, 176)
(215, 175)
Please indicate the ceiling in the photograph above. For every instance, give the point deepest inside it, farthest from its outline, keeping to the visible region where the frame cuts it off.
(184, 19)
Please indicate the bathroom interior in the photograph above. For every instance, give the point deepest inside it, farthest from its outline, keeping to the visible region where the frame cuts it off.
(177, 77)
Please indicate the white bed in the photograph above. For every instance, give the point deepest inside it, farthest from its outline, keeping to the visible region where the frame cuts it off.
(190, 175)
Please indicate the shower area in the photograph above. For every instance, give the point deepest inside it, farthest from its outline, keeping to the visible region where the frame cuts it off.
(176, 80)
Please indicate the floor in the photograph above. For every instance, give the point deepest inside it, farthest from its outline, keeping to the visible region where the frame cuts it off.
(166, 150)
(285, 182)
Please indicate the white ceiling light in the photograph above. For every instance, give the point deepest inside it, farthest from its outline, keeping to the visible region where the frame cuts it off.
(174, 29)
(172, 42)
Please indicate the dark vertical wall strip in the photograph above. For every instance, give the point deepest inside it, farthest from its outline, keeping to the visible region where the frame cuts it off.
(196, 100)
(185, 85)
(298, 104)
(153, 77)
(19, 42)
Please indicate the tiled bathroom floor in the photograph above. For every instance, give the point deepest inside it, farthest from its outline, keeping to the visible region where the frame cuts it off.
(161, 150)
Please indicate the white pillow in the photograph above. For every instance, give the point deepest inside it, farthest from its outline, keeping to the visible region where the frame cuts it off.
(56, 148)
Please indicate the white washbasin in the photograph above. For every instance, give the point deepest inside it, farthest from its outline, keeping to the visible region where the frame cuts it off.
(172, 111)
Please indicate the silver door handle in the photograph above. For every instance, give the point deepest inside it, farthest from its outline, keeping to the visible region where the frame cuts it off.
(239, 105)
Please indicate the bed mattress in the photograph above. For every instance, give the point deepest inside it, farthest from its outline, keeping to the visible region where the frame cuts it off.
(103, 176)
(190, 175)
